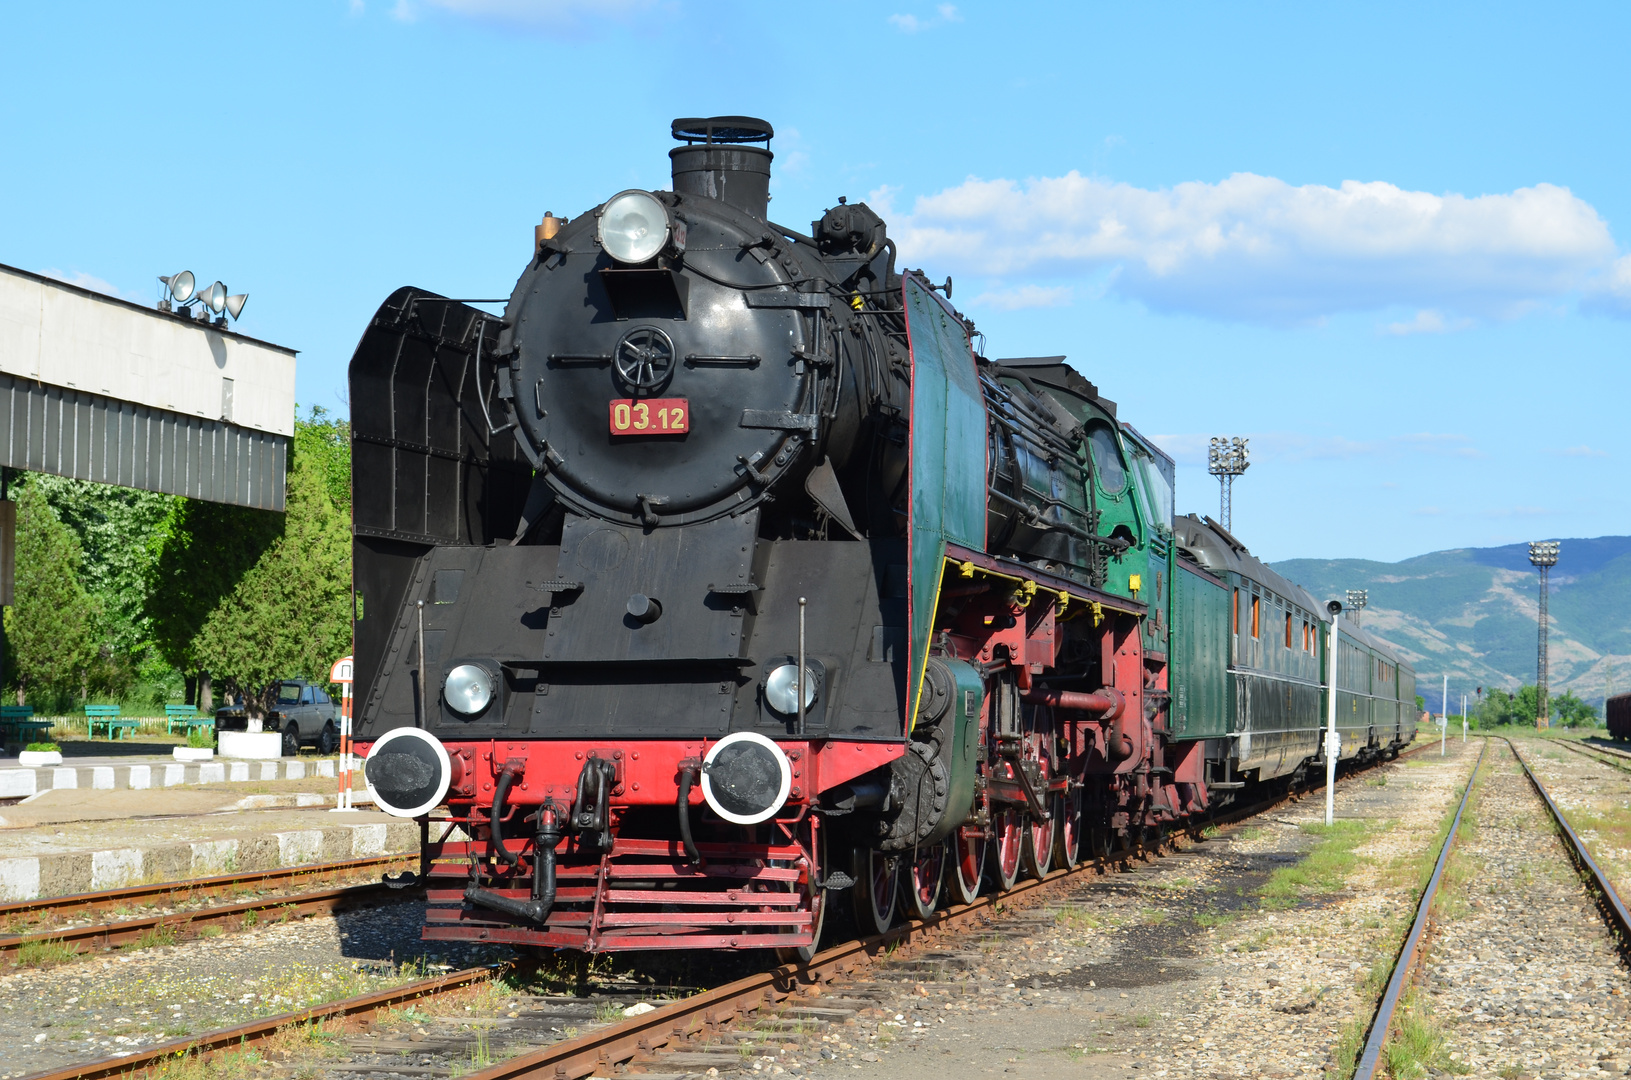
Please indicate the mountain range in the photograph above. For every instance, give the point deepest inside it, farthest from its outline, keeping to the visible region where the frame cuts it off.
(1473, 613)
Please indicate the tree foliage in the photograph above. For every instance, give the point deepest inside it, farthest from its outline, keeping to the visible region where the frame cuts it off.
(51, 626)
(1565, 710)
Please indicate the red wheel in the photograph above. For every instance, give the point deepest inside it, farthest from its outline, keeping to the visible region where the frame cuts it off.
(967, 864)
(1010, 826)
(921, 882)
(1067, 828)
(1038, 848)
(875, 889)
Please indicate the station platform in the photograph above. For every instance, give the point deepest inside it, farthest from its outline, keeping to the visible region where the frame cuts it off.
(67, 840)
(151, 771)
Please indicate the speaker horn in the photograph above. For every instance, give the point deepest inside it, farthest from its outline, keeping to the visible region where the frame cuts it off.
(1334, 607)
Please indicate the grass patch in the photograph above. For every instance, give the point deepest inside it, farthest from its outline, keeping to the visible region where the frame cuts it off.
(163, 934)
(49, 951)
(1324, 869)
(1418, 1044)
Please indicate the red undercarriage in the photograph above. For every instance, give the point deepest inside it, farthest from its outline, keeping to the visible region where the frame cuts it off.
(1061, 776)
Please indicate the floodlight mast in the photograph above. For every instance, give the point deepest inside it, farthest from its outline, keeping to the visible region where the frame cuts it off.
(1357, 599)
(1543, 555)
(1226, 459)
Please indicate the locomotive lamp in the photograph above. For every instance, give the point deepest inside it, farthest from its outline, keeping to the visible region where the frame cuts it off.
(408, 772)
(781, 689)
(1543, 555)
(746, 778)
(634, 227)
(468, 689)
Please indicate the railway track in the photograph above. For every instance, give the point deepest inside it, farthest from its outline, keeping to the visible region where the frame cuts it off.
(778, 998)
(178, 896)
(1605, 755)
(1413, 951)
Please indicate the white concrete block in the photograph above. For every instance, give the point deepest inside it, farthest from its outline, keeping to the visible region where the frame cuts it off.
(368, 840)
(326, 768)
(268, 771)
(17, 784)
(299, 848)
(102, 777)
(256, 745)
(141, 777)
(215, 856)
(213, 772)
(294, 770)
(65, 778)
(112, 869)
(175, 775)
(19, 879)
(238, 770)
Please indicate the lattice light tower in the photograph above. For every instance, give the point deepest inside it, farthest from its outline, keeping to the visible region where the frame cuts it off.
(1543, 554)
(1226, 459)
(1357, 598)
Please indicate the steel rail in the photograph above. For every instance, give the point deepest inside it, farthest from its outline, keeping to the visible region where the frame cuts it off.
(126, 931)
(195, 887)
(243, 1035)
(1613, 760)
(1371, 1057)
(1608, 900)
(634, 1038)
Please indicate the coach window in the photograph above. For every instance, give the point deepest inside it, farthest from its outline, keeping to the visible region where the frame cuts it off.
(1236, 628)
(1288, 629)
(1254, 614)
(1107, 460)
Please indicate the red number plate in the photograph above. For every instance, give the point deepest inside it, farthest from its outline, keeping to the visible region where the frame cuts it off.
(651, 416)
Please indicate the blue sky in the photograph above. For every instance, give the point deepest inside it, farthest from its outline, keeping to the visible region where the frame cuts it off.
(1388, 243)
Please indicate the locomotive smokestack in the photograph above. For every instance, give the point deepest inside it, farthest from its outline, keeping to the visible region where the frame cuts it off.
(717, 161)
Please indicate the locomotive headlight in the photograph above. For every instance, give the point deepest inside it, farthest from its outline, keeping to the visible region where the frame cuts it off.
(408, 772)
(634, 226)
(746, 778)
(782, 689)
(468, 689)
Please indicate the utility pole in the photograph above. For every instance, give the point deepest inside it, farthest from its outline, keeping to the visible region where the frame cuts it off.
(1543, 554)
(1226, 459)
(1357, 599)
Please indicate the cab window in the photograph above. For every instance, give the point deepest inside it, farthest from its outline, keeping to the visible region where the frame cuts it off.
(1160, 489)
(1107, 460)
(288, 694)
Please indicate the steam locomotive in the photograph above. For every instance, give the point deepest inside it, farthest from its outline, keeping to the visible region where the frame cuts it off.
(721, 578)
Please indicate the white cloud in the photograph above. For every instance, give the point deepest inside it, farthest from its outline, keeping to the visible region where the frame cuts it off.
(1256, 248)
(1579, 451)
(1611, 293)
(911, 24)
(1427, 321)
(1023, 296)
(91, 282)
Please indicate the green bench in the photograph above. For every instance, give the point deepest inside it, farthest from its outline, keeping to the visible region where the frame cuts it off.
(18, 726)
(187, 716)
(107, 717)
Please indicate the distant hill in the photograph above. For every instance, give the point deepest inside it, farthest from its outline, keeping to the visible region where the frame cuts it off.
(1472, 612)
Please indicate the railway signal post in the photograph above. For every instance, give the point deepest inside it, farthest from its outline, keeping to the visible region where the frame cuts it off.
(1333, 743)
(341, 673)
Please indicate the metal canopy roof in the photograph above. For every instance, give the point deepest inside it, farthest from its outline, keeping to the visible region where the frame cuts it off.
(102, 389)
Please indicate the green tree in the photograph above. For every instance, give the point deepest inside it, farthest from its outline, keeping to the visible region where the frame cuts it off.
(113, 526)
(290, 613)
(1569, 711)
(51, 624)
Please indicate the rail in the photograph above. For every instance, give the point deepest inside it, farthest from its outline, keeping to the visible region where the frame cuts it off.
(1371, 1056)
(1608, 901)
(636, 1037)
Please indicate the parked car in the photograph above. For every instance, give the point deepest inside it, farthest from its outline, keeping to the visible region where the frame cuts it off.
(301, 711)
